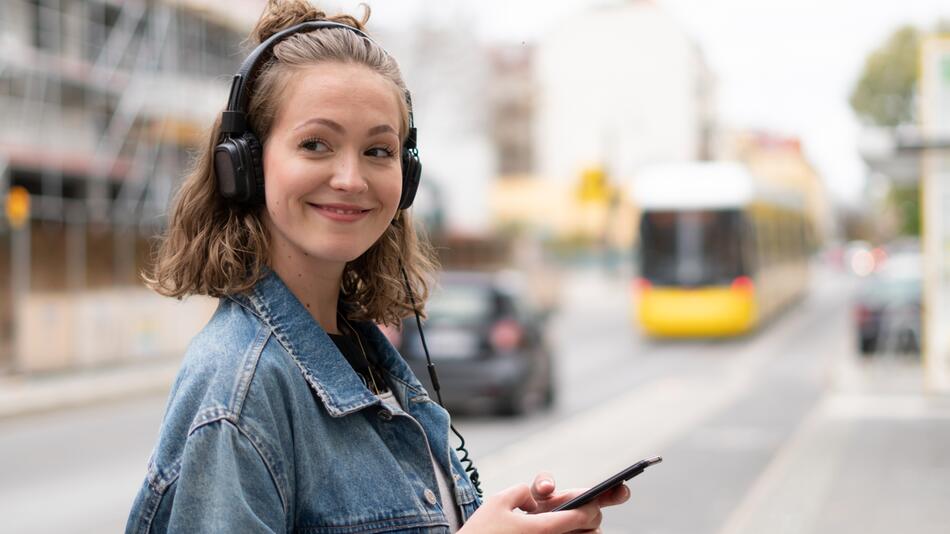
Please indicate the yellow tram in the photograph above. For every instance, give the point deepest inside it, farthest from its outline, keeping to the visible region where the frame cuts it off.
(719, 252)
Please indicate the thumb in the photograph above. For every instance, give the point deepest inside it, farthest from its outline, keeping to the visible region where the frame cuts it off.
(543, 486)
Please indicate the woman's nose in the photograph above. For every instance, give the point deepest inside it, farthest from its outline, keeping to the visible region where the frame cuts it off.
(347, 175)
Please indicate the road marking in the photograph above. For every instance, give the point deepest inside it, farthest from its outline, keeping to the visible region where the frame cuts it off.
(856, 406)
(789, 493)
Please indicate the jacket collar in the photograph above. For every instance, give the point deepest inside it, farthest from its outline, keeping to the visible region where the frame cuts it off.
(318, 358)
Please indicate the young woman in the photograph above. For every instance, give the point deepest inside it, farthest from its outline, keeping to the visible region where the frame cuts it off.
(291, 411)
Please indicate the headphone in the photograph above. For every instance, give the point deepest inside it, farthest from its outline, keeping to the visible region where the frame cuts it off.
(238, 156)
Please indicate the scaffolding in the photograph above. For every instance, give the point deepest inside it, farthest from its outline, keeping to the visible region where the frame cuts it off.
(102, 103)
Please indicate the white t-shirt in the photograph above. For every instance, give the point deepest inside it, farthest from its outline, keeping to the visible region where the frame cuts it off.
(447, 497)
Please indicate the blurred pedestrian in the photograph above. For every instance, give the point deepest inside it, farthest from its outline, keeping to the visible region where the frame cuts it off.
(291, 410)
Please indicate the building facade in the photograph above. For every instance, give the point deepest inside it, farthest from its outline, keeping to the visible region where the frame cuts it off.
(103, 103)
(619, 86)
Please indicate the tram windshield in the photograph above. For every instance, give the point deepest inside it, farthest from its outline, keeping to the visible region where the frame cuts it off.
(691, 248)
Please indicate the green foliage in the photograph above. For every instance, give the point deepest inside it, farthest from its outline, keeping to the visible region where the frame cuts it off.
(907, 201)
(884, 94)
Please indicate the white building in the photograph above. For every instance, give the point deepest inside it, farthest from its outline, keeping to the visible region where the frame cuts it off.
(448, 72)
(620, 85)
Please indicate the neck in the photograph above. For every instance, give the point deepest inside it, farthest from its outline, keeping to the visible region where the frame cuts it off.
(315, 283)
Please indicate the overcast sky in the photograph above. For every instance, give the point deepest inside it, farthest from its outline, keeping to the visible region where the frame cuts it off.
(782, 65)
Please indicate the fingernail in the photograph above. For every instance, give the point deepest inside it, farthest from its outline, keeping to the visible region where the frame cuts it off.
(546, 484)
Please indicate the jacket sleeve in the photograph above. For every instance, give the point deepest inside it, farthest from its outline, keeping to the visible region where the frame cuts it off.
(225, 485)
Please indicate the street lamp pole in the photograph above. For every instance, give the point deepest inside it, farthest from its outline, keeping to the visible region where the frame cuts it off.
(935, 209)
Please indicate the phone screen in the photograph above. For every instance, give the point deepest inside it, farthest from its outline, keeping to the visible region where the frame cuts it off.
(611, 482)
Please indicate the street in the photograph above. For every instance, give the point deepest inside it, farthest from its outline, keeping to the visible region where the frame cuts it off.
(757, 434)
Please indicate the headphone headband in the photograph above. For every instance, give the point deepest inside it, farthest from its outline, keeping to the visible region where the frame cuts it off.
(237, 101)
(238, 154)
(234, 118)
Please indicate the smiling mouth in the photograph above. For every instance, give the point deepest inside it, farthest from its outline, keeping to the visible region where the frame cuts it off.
(341, 213)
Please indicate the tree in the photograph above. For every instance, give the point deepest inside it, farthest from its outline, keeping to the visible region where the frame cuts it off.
(884, 94)
(906, 199)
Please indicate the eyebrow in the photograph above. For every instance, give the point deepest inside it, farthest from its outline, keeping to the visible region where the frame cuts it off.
(338, 128)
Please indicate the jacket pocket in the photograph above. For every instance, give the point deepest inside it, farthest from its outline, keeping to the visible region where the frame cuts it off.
(415, 524)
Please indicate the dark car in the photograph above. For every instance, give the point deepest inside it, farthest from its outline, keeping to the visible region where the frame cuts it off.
(487, 343)
(887, 310)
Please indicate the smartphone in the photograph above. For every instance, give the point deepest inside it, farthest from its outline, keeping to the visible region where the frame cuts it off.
(610, 483)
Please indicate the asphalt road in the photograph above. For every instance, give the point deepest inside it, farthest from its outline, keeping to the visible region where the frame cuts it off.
(719, 412)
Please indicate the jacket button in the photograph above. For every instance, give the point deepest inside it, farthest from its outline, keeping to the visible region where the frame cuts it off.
(385, 415)
(430, 497)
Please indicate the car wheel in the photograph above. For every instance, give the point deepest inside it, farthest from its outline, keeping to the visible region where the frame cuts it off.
(547, 401)
(517, 403)
(907, 342)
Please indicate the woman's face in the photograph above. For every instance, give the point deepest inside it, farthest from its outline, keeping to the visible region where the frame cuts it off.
(332, 174)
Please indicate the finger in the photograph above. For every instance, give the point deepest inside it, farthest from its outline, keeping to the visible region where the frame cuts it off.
(618, 495)
(585, 518)
(597, 516)
(543, 486)
(558, 498)
(517, 497)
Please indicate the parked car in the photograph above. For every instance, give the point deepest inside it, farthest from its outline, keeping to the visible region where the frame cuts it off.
(487, 343)
(887, 309)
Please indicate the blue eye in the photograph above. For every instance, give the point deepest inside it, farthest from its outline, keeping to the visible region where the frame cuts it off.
(314, 145)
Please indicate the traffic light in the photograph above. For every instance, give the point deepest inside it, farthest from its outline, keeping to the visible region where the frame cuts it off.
(18, 206)
(593, 186)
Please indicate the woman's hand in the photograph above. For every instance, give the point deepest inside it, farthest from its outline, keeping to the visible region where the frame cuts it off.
(542, 491)
(524, 509)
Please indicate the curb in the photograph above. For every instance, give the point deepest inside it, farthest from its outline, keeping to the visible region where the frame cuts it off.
(20, 396)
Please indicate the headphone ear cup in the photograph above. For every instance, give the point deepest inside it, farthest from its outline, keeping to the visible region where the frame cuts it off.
(411, 173)
(256, 175)
(238, 167)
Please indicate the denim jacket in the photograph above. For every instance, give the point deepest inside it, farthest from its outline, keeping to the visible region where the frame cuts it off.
(269, 429)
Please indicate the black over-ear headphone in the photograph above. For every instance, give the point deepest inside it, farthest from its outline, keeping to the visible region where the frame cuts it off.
(238, 155)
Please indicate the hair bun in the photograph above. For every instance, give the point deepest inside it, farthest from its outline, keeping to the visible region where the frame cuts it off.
(282, 14)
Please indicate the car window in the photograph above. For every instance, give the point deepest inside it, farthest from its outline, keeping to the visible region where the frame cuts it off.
(886, 289)
(458, 303)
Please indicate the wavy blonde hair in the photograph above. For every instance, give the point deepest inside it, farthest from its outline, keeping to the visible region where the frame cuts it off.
(214, 248)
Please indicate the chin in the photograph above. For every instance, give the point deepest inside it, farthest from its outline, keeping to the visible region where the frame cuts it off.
(341, 252)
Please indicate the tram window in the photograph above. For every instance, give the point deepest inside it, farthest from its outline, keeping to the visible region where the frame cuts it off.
(692, 248)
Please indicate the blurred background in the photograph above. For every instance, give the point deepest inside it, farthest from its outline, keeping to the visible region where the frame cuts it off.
(714, 231)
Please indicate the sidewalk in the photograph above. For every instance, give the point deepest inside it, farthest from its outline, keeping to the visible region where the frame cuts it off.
(27, 395)
(872, 457)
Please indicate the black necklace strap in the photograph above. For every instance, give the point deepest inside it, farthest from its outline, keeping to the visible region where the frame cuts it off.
(352, 339)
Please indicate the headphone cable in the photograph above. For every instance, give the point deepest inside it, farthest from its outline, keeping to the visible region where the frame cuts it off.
(467, 462)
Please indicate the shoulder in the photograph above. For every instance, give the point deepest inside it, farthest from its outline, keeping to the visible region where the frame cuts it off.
(222, 356)
(233, 372)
